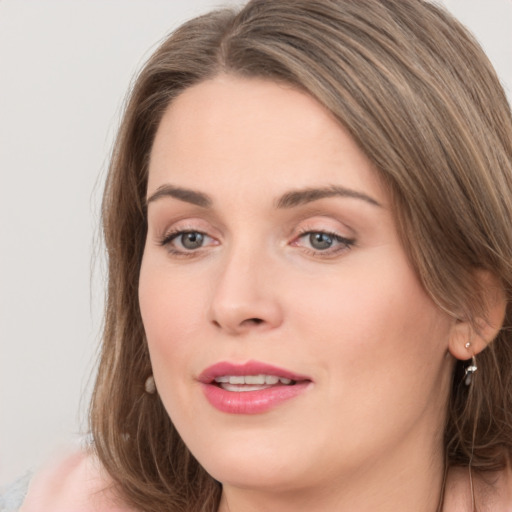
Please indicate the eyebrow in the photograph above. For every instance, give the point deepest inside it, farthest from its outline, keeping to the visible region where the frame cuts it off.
(183, 194)
(308, 195)
(287, 200)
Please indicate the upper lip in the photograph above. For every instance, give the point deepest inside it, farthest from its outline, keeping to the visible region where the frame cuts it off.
(223, 368)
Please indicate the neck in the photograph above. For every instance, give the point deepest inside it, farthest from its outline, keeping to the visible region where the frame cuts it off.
(470, 490)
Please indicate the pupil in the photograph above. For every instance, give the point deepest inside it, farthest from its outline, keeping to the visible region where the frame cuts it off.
(320, 240)
(192, 240)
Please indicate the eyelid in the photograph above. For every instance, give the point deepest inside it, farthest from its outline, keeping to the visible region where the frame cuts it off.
(330, 233)
(341, 245)
(344, 237)
(182, 224)
(169, 238)
(166, 234)
(325, 223)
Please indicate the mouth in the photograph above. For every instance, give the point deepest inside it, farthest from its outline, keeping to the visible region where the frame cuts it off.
(244, 383)
(250, 388)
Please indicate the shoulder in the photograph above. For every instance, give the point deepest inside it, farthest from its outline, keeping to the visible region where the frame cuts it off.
(492, 492)
(76, 482)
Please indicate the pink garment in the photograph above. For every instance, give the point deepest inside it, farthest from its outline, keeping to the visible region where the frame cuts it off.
(75, 484)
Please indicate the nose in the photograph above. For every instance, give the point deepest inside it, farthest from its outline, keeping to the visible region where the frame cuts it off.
(245, 298)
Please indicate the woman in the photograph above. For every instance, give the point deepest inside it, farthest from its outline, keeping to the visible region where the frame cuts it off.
(307, 217)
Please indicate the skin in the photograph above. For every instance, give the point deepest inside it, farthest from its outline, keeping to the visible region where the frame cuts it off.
(367, 433)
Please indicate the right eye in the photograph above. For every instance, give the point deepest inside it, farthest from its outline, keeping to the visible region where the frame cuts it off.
(186, 241)
(190, 240)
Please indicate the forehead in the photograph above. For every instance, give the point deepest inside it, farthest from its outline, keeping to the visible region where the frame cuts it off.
(233, 131)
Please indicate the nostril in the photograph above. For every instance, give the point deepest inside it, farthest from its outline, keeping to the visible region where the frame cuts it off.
(248, 321)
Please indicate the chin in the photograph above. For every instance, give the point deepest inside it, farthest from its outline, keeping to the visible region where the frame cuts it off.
(251, 460)
(257, 473)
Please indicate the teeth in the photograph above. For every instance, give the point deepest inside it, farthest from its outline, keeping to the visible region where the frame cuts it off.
(271, 379)
(256, 380)
(253, 379)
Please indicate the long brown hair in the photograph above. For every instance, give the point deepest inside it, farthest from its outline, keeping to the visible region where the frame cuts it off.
(421, 99)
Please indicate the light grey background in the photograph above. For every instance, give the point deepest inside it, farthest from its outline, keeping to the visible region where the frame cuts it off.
(65, 67)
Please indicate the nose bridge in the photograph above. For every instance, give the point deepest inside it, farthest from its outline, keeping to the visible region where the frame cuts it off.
(244, 298)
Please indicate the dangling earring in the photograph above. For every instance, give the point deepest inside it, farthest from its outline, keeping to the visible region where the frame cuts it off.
(149, 385)
(470, 371)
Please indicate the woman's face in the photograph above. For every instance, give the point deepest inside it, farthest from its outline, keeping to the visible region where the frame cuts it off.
(272, 255)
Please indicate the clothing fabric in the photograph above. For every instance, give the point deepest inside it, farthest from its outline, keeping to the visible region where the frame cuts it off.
(75, 482)
(12, 496)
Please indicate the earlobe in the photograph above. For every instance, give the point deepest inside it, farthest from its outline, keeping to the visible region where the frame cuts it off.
(464, 343)
(469, 339)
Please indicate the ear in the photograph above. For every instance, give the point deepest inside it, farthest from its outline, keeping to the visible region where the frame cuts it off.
(484, 328)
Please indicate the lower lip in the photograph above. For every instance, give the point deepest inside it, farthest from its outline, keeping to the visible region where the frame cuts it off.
(251, 402)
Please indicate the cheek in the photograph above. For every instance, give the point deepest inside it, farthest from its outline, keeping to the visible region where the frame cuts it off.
(374, 323)
(171, 309)
(379, 344)
(171, 313)
(170, 298)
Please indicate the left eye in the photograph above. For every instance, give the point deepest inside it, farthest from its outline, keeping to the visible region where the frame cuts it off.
(320, 241)
(323, 241)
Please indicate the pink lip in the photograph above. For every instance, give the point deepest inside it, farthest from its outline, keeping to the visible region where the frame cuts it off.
(250, 402)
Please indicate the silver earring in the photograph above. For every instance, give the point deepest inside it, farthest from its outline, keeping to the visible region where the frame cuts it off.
(470, 371)
(468, 344)
(149, 385)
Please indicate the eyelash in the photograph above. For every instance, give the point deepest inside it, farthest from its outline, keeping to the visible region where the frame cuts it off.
(168, 238)
(345, 244)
